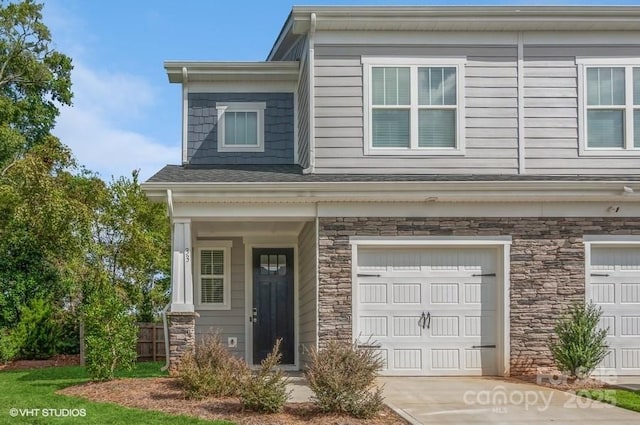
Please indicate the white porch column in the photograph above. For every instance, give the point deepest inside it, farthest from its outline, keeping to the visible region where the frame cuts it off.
(181, 266)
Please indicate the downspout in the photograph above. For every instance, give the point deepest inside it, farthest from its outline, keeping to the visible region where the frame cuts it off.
(185, 114)
(166, 308)
(312, 97)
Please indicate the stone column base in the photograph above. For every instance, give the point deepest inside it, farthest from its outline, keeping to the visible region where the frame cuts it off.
(182, 336)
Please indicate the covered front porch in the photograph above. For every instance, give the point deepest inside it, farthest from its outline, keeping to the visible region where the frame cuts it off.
(249, 278)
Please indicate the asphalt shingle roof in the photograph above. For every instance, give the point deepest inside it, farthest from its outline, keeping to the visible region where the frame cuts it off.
(293, 174)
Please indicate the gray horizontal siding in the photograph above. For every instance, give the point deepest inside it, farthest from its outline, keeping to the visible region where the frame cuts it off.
(228, 323)
(202, 138)
(307, 290)
(551, 111)
(490, 114)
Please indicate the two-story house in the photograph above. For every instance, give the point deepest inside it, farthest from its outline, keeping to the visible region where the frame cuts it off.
(438, 183)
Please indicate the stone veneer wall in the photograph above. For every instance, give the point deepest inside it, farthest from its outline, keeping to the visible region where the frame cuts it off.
(547, 269)
(182, 333)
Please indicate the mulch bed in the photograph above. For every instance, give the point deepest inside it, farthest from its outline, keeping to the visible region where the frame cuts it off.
(59, 360)
(165, 395)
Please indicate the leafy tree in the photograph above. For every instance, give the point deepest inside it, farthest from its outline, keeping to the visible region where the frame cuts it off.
(132, 242)
(34, 80)
(38, 213)
(111, 334)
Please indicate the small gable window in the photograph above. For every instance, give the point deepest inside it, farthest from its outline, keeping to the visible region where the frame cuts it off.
(241, 126)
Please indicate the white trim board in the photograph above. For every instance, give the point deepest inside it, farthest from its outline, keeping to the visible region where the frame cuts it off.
(306, 211)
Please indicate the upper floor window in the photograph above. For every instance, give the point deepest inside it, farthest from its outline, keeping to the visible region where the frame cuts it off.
(610, 112)
(413, 106)
(213, 282)
(241, 126)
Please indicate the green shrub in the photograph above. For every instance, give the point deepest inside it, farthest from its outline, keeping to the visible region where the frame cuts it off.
(266, 390)
(9, 346)
(38, 332)
(69, 342)
(208, 369)
(110, 335)
(342, 378)
(580, 345)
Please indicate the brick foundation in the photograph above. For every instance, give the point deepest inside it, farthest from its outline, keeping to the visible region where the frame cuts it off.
(547, 269)
(182, 331)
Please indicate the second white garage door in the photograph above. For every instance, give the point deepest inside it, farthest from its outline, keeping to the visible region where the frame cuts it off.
(430, 311)
(614, 285)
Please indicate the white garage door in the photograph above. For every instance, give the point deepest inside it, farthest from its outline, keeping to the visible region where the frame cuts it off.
(430, 311)
(614, 284)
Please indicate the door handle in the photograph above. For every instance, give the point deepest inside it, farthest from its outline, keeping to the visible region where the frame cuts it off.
(254, 316)
(422, 320)
(428, 320)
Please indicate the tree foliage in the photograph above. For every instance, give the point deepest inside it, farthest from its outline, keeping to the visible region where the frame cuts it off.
(63, 231)
(34, 80)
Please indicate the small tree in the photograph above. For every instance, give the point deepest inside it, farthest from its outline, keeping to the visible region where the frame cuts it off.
(580, 345)
(111, 334)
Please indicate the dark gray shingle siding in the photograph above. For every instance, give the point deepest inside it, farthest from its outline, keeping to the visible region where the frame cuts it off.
(202, 144)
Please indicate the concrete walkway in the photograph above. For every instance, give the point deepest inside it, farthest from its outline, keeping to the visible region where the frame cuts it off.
(460, 400)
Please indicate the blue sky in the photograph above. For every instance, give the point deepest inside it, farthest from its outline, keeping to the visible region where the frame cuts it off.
(126, 115)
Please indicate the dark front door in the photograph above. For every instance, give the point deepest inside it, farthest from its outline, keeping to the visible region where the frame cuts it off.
(273, 302)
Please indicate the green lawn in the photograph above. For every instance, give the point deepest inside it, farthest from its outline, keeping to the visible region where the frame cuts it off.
(35, 389)
(626, 399)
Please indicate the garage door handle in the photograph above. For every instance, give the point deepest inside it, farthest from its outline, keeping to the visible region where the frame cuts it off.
(599, 274)
(369, 345)
(368, 275)
(484, 274)
(484, 346)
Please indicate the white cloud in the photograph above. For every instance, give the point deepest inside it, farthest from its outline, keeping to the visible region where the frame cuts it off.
(97, 126)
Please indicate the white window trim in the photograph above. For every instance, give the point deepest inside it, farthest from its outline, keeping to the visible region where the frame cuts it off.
(224, 246)
(414, 63)
(258, 108)
(627, 63)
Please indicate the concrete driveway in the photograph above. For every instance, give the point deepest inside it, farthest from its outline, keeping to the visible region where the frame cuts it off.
(464, 401)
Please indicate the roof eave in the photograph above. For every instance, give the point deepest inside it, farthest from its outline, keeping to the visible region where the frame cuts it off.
(487, 18)
(227, 71)
(614, 190)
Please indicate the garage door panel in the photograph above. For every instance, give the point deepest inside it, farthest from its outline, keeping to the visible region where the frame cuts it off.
(407, 358)
(374, 326)
(630, 292)
(404, 326)
(373, 293)
(630, 358)
(407, 293)
(453, 288)
(614, 285)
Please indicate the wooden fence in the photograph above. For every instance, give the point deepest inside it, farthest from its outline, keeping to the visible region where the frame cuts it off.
(150, 345)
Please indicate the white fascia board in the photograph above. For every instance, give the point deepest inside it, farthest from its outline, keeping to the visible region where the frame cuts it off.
(232, 71)
(396, 191)
(484, 18)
